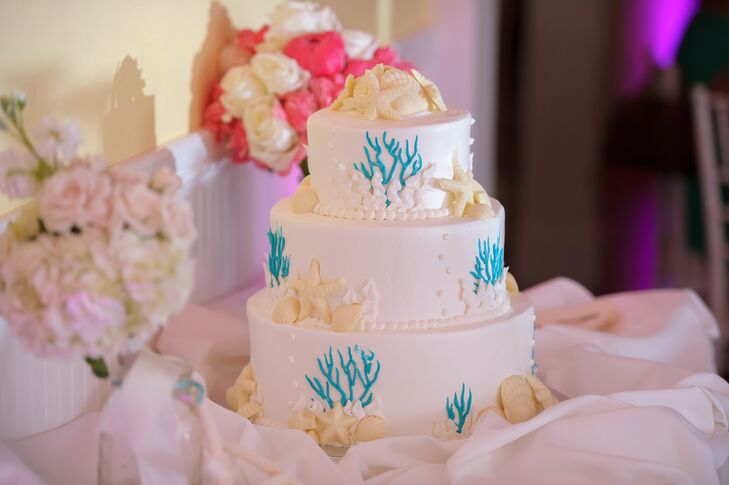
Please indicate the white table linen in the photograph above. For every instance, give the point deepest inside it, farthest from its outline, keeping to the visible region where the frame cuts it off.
(641, 405)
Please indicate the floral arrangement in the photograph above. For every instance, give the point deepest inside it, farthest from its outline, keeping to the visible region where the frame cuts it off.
(277, 76)
(100, 258)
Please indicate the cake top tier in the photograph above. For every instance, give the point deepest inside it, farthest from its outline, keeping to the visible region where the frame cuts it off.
(416, 164)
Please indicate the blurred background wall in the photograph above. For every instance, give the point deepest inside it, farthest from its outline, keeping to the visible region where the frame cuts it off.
(579, 107)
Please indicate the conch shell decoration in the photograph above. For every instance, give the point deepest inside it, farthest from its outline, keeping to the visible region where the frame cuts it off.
(389, 93)
(521, 398)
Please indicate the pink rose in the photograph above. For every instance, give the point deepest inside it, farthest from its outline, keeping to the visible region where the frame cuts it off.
(298, 106)
(326, 89)
(238, 142)
(321, 54)
(213, 120)
(232, 56)
(176, 221)
(383, 55)
(133, 203)
(248, 39)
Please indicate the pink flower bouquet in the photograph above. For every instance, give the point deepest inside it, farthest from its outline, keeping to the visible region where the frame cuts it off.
(100, 259)
(277, 76)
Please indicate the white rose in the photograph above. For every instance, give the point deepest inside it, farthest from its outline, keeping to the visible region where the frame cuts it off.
(57, 142)
(240, 88)
(77, 195)
(291, 19)
(176, 221)
(17, 179)
(359, 44)
(281, 74)
(93, 314)
(271, 139)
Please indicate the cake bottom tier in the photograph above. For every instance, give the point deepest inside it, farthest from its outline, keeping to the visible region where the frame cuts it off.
(412, 382)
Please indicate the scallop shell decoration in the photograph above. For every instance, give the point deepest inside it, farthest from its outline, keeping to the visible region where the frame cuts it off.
(521, 398)
(249, 410)
(346, 318)
(517, 399)
(432, 93)
(306, 198)
(304, 420)
(286, 310)
(371, 428)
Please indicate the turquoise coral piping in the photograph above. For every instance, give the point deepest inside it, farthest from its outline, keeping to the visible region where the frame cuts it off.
(278, 264)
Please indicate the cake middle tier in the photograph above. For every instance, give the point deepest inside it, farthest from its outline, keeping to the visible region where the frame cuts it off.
(404, 274)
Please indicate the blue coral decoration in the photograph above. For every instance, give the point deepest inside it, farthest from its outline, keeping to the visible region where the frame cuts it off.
(405, 167)
(359, 369)
(489, 265)
(278, 264)
(462, 408)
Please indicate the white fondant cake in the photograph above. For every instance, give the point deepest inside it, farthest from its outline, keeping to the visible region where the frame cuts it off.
(386, 308)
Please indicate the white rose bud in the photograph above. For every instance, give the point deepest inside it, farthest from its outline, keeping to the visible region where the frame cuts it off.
(291, 19)
(359, 44)
(240, 88)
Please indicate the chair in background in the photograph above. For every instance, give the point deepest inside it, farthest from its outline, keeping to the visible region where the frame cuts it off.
(711, 135)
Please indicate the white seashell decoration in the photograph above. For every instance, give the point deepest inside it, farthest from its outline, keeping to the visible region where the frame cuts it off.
(235, 397)
(435, 100)
(541, 392)
(511, 286)
(286, 310)
(306, 198)
(249, 410)
(370, 428)
(242, 389)
(304, 420)
(267, 422)
(389, 93)
(345, 318)
(517, 399)
(479, 211)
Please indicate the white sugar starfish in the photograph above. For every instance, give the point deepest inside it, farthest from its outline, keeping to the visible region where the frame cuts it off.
(334, 426)
(466, 190)
(313, 293)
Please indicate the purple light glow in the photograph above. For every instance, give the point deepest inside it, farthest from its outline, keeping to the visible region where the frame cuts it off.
(651, 32)
(669, 21)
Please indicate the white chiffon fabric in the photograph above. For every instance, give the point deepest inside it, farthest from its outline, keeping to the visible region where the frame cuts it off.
(640, 404)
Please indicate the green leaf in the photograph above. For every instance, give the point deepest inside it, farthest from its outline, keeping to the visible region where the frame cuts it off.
(304, 166)
(98, 367)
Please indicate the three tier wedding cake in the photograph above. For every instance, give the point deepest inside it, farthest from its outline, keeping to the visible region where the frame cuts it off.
(387, 309)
